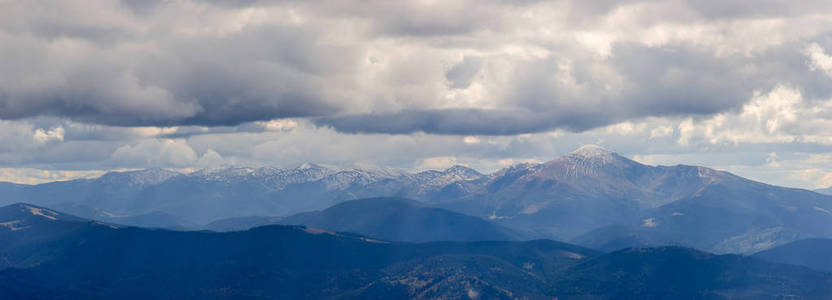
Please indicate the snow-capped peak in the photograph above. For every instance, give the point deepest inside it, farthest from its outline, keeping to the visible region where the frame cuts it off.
(462, 171)
(591, 151)
(306, 166)
(589, 160)
(592, 154)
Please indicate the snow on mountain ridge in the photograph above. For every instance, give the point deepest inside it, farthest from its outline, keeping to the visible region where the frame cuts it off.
(586, 160)
(139, 178)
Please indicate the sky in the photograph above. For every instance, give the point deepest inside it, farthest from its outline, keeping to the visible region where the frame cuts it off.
(92, 86)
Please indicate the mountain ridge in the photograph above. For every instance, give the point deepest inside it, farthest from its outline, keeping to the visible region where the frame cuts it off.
(564, 198)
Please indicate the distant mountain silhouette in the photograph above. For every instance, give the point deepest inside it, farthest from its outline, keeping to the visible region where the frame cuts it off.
(617, 237)
(397, 219)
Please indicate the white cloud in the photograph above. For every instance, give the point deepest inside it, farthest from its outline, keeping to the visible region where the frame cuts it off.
(35, 176)
(626, 128)
(210, 159)
(819, 59)
(156, 153)
(441, 162)
(661, 131)
(771, 160)
(471, 140)
(44, 136)
(279, 125)
(779, 116)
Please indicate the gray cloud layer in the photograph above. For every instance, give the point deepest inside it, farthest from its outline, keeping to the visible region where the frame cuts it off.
(455, 67)
(192, 83)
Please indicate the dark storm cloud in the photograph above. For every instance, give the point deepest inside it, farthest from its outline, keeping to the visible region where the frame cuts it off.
(764, 8)
(460, 121)
(261, 74)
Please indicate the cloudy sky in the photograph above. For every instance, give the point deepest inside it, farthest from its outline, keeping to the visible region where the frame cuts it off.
(89, 86)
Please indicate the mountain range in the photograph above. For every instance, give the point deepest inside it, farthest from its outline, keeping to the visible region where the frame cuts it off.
(182, 200)
(591, 196)
(51, 255)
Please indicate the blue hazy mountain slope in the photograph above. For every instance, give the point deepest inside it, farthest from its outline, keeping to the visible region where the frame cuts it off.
(291, 262)
(825, 191)
(738, 216)
(683, 273)
(276, 262)
(398, 219)
(617, 237)
(812, 253)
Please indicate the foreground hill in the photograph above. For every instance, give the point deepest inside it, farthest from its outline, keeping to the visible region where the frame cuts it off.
(267, 262)
(681, 273)
(397, 219)
(30, 234)
(291, 262)
(812, 253)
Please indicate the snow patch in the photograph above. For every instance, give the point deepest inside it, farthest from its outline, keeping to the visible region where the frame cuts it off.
(42, 212)
(104, 224)
(494, 216)
(533, 208)
(789, 208)
(369, 240)
(472, 294)
(316, 231)
(572, 255)
(13, 225)
(821, 209)
(650, 222)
